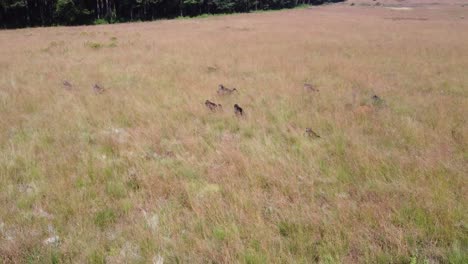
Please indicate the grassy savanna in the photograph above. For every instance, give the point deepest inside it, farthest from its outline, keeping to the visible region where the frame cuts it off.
(143, 172)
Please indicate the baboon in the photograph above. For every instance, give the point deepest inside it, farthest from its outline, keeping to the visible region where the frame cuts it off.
(376, 100)
(238, 110)
(98, 89)
(212, 68)
(224, 90)
(310, 133)
(309, 87)
(213, 106)
(67, 85)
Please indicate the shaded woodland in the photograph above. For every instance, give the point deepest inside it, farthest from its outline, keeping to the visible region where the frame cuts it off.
(32, 13)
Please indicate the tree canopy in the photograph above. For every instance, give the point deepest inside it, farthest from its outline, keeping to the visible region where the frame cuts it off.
(29, 13)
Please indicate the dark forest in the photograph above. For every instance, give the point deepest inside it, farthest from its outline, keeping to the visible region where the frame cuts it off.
(33, 13)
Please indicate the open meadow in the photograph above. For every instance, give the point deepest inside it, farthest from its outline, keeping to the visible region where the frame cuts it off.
(139, 170)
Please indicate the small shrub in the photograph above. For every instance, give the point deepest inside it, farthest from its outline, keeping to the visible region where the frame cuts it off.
(93, 45)
(133, 184)
(286, 229)
(457, 254)
(116, 190)
(100, 22)
(112, 45)
(219, 233)
(97, 257)
(105, 217)
(187, 172)
(253, 257)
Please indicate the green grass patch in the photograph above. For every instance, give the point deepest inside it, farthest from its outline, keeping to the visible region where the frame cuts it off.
(105, 218)
(219, 233)
(94, 45)
(116, 190)
(254, 257)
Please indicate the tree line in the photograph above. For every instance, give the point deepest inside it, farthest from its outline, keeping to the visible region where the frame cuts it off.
(31, 13)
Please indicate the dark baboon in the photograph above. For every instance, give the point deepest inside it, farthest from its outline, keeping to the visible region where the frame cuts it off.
(98, 89)
(213, 106)
(310, 133)
(310, 88)
(376, 100)
(67, 85)
(224, 90)
(238, 110)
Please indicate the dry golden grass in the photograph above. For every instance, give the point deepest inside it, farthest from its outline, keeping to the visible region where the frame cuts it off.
(144, 172)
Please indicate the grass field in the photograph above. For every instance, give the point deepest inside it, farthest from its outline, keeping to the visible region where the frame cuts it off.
(144, 173)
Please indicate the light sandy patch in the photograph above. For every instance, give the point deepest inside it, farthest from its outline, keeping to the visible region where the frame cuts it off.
(401, 8)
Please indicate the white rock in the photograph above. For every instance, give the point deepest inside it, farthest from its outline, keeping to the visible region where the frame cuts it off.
(53, 240)
(118, 134)
(29, 188)
(152, 220)
(5, 233)
(404, 8)
(342, 195)
(51, 229)
(130, 253)
(39, 212)
(158, 260)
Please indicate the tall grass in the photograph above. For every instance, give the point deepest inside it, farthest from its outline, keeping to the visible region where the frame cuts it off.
(144, 172)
